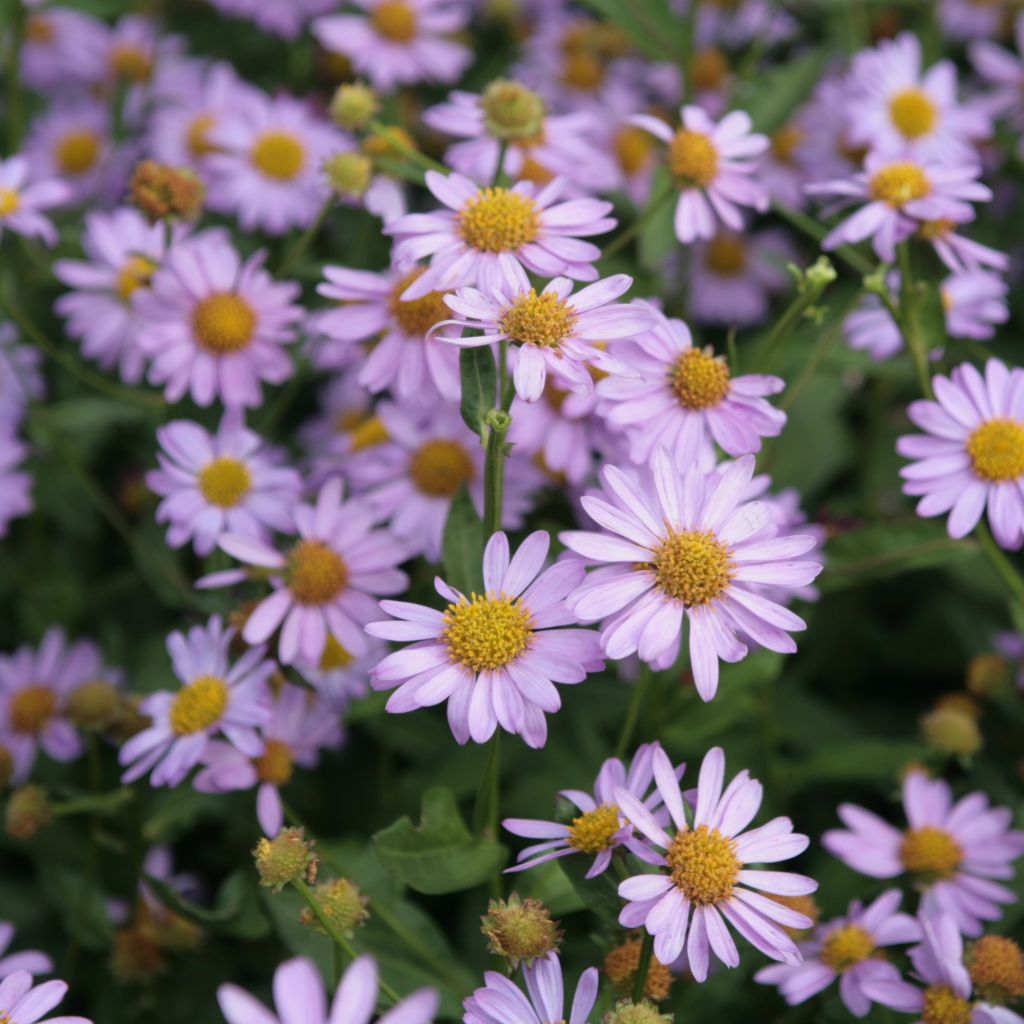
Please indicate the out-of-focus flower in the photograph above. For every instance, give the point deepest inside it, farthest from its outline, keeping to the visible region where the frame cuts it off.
(23, 197)
(72, 143)
(15, 483)
(21, 1002)
(20, 379)
(30, 960)
(499, 1001)
(286, 20)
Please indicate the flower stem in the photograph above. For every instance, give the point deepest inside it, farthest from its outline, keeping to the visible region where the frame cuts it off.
(813, 283)
(395, 140)
(488, 800)
(810, 227)
(643, 682)
(500, 177)
(1002, 565)
(910, 323)
(640, 981)
(653, 207)
(498, 421)
(302, 243)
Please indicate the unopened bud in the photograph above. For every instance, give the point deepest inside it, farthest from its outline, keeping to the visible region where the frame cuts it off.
(520, 929)
(988, 675)
(288, 857)
(996, 965)
(94, 705)
(952, 730)
(821, 273)
(341, 902)
(511, 111)
(353, 106)
(349, 174)
(621, 964)
(28, 810)
(161, 191)
(628, 1012)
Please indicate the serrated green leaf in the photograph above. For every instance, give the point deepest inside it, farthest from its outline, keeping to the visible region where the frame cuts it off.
(463, 547)
(479, 382)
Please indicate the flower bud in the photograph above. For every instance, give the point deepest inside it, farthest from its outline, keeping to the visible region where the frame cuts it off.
(353, 106)
(161, 191)
(349, 174)
(511, 111)
(342, 903)
(951, 729)
(628, 1012)
(95, 705)
(288, 857)
(621, 964)
(988, 675)
(996, 965)
(28, 810)
(520, 929)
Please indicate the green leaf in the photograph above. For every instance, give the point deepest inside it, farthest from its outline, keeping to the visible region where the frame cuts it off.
(236, 910)
(479, 386)
(658, 235)
(463, 549)
(598, 894)
(439, 855)
(651, 24)
(856, 760)
(772, 96)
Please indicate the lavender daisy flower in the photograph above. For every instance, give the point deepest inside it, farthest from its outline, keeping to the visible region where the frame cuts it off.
(972, 19)
(217, 696)
(686, 548)
(712, 166)
(953, 851)
(485, 232)
(501, 1002)
(325, 583)
(493, 656)
(72, 142)
(22, 200)
(55, 41)
(972, 452)
(284, 20)
(554, 332)
(15, 484)
(399, 42)
(227, 482)
(339, 677)
(600, 828)
(23, 1003)
(558, 432)
(849, 948)
(21, 381)
(299, 996)
(685, 398)
(705, 882)
(1004, 71)
(959, 253)
(215, 327)
(975, 303)
(30, 960)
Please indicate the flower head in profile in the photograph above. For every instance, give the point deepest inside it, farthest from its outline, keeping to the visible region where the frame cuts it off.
(24, 197)
(971, 455)
(686, 548)
(299, 995)
(495, 656)
(713, 167)
(704, 883)
(953, 852)
(500, 1001)
(217, 696)
(30, 960)
(600, 827)
(21, 1002)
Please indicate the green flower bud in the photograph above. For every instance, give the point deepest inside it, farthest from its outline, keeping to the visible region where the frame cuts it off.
(342, 903)
(288, 857)
(511, 111)
(520, 929)
(353, 106)
(349, 174)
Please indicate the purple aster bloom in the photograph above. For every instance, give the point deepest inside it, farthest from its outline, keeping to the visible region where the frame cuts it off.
(20, 378)
(23, 1003)
(285, 20)
(501, 1002)
(72, 142)
(399, 42)
(15, 484)
(972, 452)
(705, 884)
(299, 996)
(872, 329)
(554, 332)
(558, 432)
(228, 482)
(217, 697)
(57, 47)
(972, 19)
(1004, 71)
(124, 251)
(326, 583)
(953, 851)
(486, 232)
(600, 828)
(298, 727)
(685, 399)
(494, 657)
(339, 677)
(959, 253)
(30, 960)
(849, 948)
(686, 547)
(975, 302)
(23, 197)
(738, 22)
(826, 146)
(215, 327)
(712, 165)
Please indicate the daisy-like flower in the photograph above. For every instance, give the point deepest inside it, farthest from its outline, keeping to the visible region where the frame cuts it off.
(958, 252)
(30, 960)
(227, 482)
(558, 432)
(685, 398)
(690, 548)
(705, 883)
(972, 19)
(124, 252)
(23, 1003)
(266, 161)
(284, 20)
(214, 326)
(494, 656)
(1004, 71)
(399, 42)
(58, 44)
(849, 948)
(404, 356)
(600, 828)
(339, 677)
(554, 332)
(972, 452)
(23, 197)
(713, 167)
(501, 1002)
(217, 696)
(15, 483)
(324, 584)
(952, 851)
(486, 232)
(72, 143)
(299, 996)
(21, 381)
(298, 727)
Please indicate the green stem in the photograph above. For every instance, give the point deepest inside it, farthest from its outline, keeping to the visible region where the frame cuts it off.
(395, 140)
(498, 421)
(96, 803)
(910, 324)
(1002, 565)
(500, 177)
(811, 291)
(302, 243)
(488, 800)
(653, 207)
(810, 227)
(640, 688)
(640, 981)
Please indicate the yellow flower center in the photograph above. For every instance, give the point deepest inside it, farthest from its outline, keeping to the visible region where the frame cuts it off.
(38, 29)
(726, 254)
(275, 764)
(931, 853)
(699, 378)
(198, 705)
(845, 946)
(497, 220)
(31, 708)
(335, 656)
(278, 155)
(693, 567)
(709, 69)
(225, 481)
(582, 70)
(439, 466)
(77, 151)
(369, 432)
(621, 964)
(136, 273)
(417, 316)
(703, 864)
(544, 320)
(486, 632)
(996, 964)
(693, 159)
(996, 449)
(9, 201)
(899, 183)
(316, 573)
(223, 323)
(533, 170)
(943, 1006)
(913, 113)
(785, 142)
(592, 831)
(633, 148)
(394, 20)
(131, 63)
(933, 230)
(198, 136)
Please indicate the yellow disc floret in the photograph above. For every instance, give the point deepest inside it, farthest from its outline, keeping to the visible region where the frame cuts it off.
(913, 112)
(77, 151)
(486, 632)
(223, 323)
(198, 705)
(225, 481)
(198, 136)
(704, 865)
(439, 466)
(899, 183)
(498, 220)
(316, 574)
(996, 449)
(845, 946)
(693, 159)
(275, 764)
(693, 566)
(544, 320)
(592, 831)
(417, 316)
(699, 378)
(9, 201)
(394, 20)
(335, 656)
(726, 254)
(996, 964)
(943, 1006)
(131, 63)
(136, 272)
(31, 708)
(931, 853)
(785, 142)
(278, 155)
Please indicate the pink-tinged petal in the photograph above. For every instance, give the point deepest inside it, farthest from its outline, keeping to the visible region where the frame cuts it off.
(641, 818)
(356, 997)
(709, 786)
(239, 1007)
(496, 562)
(644, 887)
